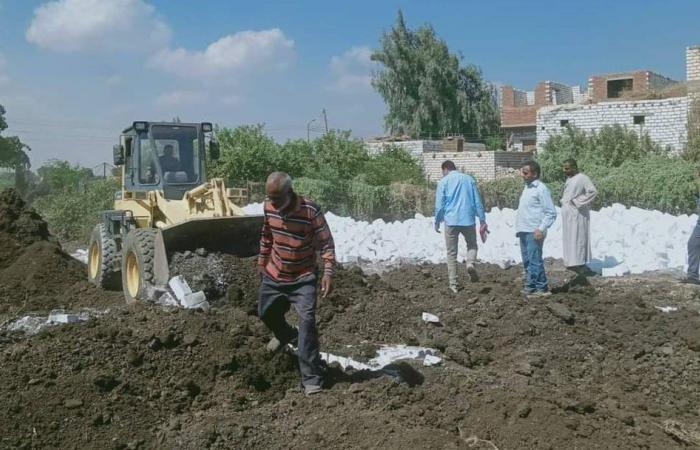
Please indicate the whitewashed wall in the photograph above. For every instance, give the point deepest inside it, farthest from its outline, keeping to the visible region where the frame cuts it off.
(665, 120)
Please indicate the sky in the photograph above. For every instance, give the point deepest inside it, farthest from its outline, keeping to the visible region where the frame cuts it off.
(74, 73)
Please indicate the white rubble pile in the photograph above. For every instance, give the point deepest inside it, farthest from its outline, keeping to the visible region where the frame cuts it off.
(623, 240)
(33, 324)
(386, 355)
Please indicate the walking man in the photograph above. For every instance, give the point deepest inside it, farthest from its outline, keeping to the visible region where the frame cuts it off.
(536, 213)
(694, 250)
(294, 229)
(579, 193)
(457, 203)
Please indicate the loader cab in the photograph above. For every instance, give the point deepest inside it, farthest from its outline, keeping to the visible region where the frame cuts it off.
(169, 157)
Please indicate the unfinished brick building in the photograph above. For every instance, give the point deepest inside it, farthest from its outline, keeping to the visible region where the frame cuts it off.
(613, 86)
(519, 110)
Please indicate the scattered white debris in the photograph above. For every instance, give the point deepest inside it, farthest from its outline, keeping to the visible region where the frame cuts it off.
(385, 355)
(185, 296)
(31, 325)
(628, 240)
(58, 317)
(667, 309)
(617, 271)
(431, 360)
(81, 255)
(431, 318)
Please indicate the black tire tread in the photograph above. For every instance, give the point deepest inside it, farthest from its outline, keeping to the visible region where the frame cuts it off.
(142, 242)
(108, 275)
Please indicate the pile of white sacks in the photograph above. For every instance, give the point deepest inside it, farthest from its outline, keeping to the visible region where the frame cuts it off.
(624, 240)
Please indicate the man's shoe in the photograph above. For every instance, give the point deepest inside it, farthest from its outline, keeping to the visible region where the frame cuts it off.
(689, 280)
(311, 389)
(540, 294)
(473, 276)
(454, 289)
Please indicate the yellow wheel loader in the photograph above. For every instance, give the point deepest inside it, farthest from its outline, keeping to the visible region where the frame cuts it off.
(166, 205)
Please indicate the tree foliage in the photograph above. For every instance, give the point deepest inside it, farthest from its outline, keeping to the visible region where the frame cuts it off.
(58, 175)
(426, 88)
(248, 154)
(608, 148)
(12, 150)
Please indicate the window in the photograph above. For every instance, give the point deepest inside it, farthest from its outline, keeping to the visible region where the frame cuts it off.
(617, 87)
(638, 120)
(563, 123)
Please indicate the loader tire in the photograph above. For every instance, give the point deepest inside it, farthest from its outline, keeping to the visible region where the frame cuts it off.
(137, 264)
(104, 259)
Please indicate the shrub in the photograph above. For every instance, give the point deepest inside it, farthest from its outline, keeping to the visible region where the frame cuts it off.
(610, 147)
(393, 165)
(72, 213)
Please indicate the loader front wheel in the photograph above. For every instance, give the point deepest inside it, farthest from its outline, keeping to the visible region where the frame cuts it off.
(137, 264)
(104, 259)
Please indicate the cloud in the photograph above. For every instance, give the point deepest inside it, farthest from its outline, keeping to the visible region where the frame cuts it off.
(98, 25)
(231, 56)
(181, 98)
(352, 71)
(115, 80)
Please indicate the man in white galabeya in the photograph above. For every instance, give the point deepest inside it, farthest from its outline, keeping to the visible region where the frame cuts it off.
(536, 213)
(579, 194)
(457, 203)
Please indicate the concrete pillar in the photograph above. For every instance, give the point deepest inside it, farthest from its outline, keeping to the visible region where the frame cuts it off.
(692, 64)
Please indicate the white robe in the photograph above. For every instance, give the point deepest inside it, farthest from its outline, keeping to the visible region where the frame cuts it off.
(579, 193)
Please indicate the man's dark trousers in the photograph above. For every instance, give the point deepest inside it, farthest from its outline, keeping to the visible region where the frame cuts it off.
(275, 300)
(534, 278)
(694, 253)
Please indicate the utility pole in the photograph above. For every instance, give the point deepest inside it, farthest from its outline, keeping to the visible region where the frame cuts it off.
(308, 129)
(325, 119)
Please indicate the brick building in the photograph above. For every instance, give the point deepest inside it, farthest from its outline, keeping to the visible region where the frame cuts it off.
(615, 85)
(618, 98)
(519, 110)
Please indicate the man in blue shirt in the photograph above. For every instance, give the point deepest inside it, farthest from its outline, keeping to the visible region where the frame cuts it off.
(457, 202)
(536, 213)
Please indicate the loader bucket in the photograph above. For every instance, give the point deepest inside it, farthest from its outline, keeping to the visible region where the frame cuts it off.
(238, 235)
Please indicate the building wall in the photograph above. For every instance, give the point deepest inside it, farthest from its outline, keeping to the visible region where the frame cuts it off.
(598, 84)
(415, 148)
(665, 120)
(484, 166)
(692, 59)
(658, 82)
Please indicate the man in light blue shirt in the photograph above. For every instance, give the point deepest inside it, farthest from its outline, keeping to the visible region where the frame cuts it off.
(536, 213)
(457, 203)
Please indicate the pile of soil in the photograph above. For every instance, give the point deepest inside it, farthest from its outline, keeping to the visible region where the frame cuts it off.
(35, 274)
(593, 366)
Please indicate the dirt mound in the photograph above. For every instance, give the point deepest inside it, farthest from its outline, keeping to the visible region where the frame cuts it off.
(35, 274)
(594, 366)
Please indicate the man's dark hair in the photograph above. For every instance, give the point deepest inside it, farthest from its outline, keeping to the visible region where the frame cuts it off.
(533, 166)
(572, 162)
(448, 165)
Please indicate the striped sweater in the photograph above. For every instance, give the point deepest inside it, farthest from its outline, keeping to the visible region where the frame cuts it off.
(289, 241)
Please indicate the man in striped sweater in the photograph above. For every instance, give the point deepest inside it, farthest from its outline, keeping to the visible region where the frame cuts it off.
(293, 231)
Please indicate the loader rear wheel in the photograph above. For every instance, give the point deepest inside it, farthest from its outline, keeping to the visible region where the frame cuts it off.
(104, 259)
(137, 264)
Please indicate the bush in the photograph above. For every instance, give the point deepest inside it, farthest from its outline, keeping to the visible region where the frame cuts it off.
(393, 165)
(72, 213)
(610, 147)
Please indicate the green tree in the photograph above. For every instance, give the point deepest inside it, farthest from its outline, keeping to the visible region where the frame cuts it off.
(426, 88)
(58, 175)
